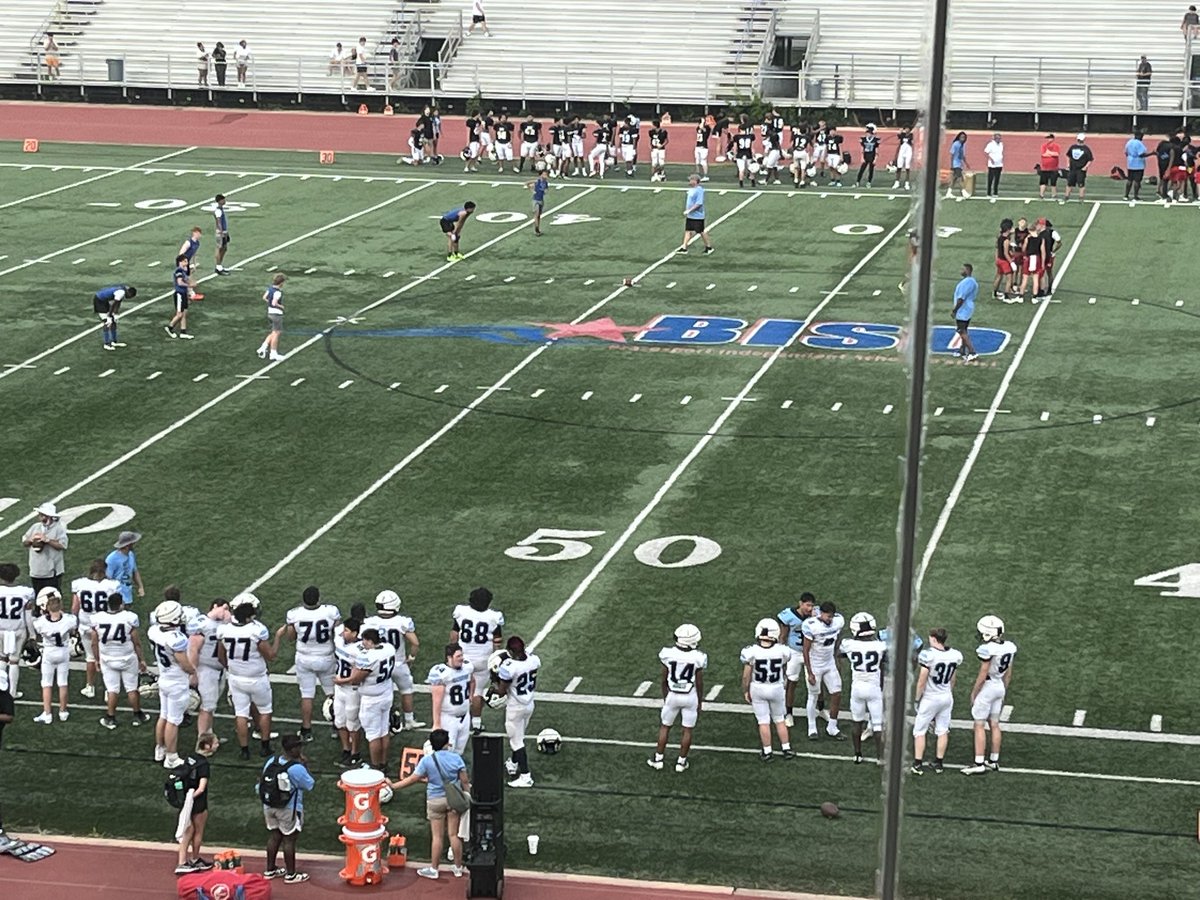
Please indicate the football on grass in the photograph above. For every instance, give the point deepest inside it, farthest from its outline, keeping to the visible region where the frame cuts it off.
(830, 810)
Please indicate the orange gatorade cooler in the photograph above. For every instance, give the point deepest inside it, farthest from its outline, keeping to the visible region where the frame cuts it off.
(397, 852)
(363, 814)
(364, 858)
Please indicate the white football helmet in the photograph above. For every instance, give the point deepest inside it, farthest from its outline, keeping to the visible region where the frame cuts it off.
(549, 741)
(766, 630)
(244, 599)
(811, 171)
(494, 699)
(388, 601)
(862, 623)
(687, 636)
(991, 628)
(386, 793)
(44, 596)
(843, 168)
(755, 167)
(169, 612)
(496, 659)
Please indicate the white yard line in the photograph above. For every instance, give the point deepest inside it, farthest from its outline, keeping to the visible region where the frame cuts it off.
(139, 224)
(499, 385)
(108, 174)
(126, 313)
(704, 441)
(956, 490)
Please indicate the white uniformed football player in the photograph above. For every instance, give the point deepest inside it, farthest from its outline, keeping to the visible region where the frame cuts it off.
(682, 690)
(453, 693)
(477, 629)
(347, 649)
(372, 675)
(312, 626)
(821, 635)
(205, 656)
(987, 696)
(764, 671)
(935, 698)
(867, 656)
(170, 645)
(792, 618)
(244, 648)
(14, 600)
(55, 629)
(401, 632)
(517, 676)
(117, 644)
(90, 595)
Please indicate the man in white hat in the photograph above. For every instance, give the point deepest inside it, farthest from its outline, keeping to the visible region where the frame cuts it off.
(121, 565)
(47, 541)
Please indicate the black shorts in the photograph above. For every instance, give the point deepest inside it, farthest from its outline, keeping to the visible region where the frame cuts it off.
(447, 227)
(181, 302)
(1076, 178)
(100, 305)
(961, 325)
(223, 241)
(362, 70)
(696, 225)
(478, 19)
(200, 804)
(1135, 175)
(1048, 176)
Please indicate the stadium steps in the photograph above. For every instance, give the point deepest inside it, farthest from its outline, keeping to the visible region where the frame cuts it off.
(27, 22)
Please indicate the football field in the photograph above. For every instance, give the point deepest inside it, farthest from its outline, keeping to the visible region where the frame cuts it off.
(611, 459)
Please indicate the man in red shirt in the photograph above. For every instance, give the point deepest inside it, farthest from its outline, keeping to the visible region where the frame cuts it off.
(1048, 167)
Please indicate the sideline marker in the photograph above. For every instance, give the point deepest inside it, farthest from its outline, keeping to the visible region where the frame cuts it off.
(327, 157)
(30, 146)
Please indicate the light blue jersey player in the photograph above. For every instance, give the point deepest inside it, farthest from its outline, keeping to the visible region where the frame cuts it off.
(792, 618)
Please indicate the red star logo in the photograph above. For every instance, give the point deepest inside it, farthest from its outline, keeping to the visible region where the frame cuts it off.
(602, 329)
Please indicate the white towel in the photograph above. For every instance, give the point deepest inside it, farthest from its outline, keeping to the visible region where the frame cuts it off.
(185, 815)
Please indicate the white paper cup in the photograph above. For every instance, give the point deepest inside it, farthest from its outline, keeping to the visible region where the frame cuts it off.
(533, 844)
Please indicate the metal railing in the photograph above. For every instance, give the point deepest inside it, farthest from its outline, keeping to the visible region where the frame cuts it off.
(450, 47)
(765, 52)
(853, 81)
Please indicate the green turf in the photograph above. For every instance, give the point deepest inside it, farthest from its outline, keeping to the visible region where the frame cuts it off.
(1057, 519)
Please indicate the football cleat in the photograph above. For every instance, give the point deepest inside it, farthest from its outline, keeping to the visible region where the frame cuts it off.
(915, 769)
(511, 768)
(655, 764)
(977, 769)
(681, 765)
(522, 781)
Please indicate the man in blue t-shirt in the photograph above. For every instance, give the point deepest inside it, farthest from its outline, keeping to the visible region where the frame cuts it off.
(452, 223)
(1135, 166)
(965, 293)
(121, 566)
(106, 303)
(693, 216)
(285, 823)
(438, 767)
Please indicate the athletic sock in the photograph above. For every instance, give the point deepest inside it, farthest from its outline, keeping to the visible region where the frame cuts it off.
(995, 757)
(658, 757)
(785, 747)
(978, 760)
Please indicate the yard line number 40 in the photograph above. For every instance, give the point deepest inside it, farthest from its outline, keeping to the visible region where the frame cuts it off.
(1181, 581)
(562, 544)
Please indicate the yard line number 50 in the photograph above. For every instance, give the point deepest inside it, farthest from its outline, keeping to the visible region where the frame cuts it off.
(562, 544)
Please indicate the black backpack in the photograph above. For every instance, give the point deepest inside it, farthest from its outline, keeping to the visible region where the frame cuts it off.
(178, 782)
(274, 785)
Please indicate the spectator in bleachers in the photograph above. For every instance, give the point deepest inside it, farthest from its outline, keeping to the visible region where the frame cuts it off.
(1190, 26)
(241, 59)
(361, 57)
(51, 57)
(1144, 71)
(479, 17)
(435, 118)
(219, 63)
(201, 64)
(394, 65)
(337, 59)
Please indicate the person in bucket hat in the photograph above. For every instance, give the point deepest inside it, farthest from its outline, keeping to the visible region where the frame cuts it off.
(47, 543)
(121, 564)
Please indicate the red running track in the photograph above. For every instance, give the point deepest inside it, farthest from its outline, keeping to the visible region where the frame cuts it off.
(99, 869)
(351, 133)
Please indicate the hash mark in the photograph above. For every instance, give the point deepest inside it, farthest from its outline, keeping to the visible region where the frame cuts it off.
(752, 289)
(1080, 716)
(394, 385)
(510, 278)
(641, 689)
(887, 409)
(116, 262)
(876, 292)
(106, 373)
(710, 287)
(1045, 416)
(152, 376)
(787, 404)
(1005, 712)
(671, 284)
(589, 282)
(1156, 723)
(548, 281)
(441, 388)
(272, 268)
(836, 406)
(635, 398)
(310, 270)
(1150, 420)
(1097, 419)
(154, 264)
(586, 395)
(297, 382)
(713, 692)
(470, 277)
(388, 274)
(1134, 302)
(686, 400)
(63, 369)
(1179, 303)
(78, 261)
(538, 393)
(1091, 299)
(939, 410)
(572, 685)
(345, 384)
(348, 272)
(793, 290)
(200, 377)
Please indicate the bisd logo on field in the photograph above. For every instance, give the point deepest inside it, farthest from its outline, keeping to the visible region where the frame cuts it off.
(772, 333)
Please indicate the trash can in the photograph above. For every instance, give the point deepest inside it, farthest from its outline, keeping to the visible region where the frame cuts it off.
(813, 89)
(116, 69)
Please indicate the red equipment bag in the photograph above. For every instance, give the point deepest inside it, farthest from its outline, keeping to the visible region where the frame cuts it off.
(220, 884)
